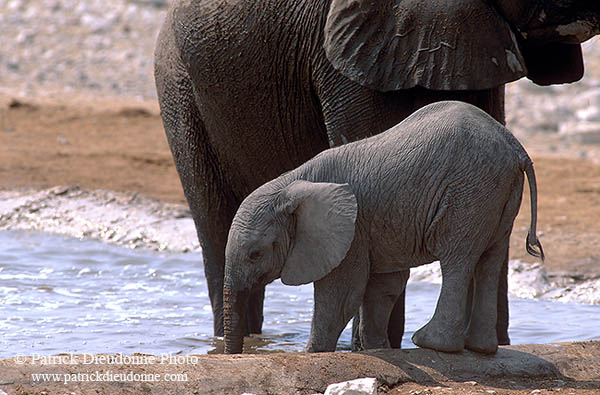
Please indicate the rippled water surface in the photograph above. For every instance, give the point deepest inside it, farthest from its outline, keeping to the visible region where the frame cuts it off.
(68, 295)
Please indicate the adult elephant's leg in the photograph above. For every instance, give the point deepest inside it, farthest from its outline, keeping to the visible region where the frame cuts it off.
(502, 304)
(356, 342)
(254, 315)
(502, 323)
(397, 320)
(211, 202)
(380, 297)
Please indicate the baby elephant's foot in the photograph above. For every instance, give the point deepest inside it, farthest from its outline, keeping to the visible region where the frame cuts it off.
(314, 346)
(375, 343)
(485, 342)
(440, 338)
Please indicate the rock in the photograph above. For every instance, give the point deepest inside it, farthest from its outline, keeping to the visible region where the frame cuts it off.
(91, 34)
(16, 104)
(527, 280)
(15, 5)
(431, 273)
(365, 386)
(95, 24)
(589, 114)
(155, 3)
(13, 66)
(586, 292)
(589, 106)
(123, 219)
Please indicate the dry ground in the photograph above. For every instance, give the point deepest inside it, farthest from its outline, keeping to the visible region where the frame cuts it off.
(562, 368)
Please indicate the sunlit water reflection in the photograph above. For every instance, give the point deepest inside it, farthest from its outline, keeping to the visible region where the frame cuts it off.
(60, 295)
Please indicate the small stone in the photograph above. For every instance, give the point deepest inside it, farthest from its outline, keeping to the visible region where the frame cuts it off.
(364, 386)
(95, 23)
(13, 66)
(560, 382)
(15, 5)
(589, 114)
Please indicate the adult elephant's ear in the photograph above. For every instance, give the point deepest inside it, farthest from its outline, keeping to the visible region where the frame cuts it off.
(438, 44)
(324, 216)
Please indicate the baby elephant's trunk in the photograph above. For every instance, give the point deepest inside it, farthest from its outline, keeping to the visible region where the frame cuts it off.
(234, 318)
(532, 244)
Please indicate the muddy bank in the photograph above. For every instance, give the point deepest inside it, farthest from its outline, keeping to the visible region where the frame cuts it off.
(568, 367)
(126, 219)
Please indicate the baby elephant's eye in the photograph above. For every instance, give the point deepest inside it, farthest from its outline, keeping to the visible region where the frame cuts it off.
(255, 255)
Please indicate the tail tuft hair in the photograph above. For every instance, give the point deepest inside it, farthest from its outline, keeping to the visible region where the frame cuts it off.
(532, 244)
(534, 247)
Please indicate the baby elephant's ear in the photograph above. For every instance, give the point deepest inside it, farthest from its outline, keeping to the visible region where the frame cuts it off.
(325, 216)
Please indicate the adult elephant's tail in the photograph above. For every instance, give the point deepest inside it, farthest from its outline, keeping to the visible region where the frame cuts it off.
(532, 244)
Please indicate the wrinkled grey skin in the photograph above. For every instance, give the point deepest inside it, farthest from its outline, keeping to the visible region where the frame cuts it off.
(249, 89)
(444, 184)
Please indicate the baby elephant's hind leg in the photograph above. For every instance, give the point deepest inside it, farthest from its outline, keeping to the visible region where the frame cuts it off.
(381, 294)
(481, 332)
(489, 317)
(446, 329)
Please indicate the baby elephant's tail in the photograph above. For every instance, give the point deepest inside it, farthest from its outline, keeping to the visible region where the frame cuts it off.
(532, 244)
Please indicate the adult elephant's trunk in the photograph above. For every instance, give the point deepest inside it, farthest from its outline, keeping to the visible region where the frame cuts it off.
(234, 319)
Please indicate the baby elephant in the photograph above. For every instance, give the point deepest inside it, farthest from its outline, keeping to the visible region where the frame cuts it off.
(445, 184)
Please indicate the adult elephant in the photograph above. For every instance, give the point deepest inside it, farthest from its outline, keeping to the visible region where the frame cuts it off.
(249, 89)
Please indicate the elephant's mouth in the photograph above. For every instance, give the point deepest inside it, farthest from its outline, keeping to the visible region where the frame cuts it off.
(265, 279)
(571, 23)
(574, 32)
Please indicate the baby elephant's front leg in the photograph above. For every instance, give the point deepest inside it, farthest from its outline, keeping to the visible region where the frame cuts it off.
(337, 298)
(381, 294)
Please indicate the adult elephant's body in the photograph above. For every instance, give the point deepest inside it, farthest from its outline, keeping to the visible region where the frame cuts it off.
(250, 89)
